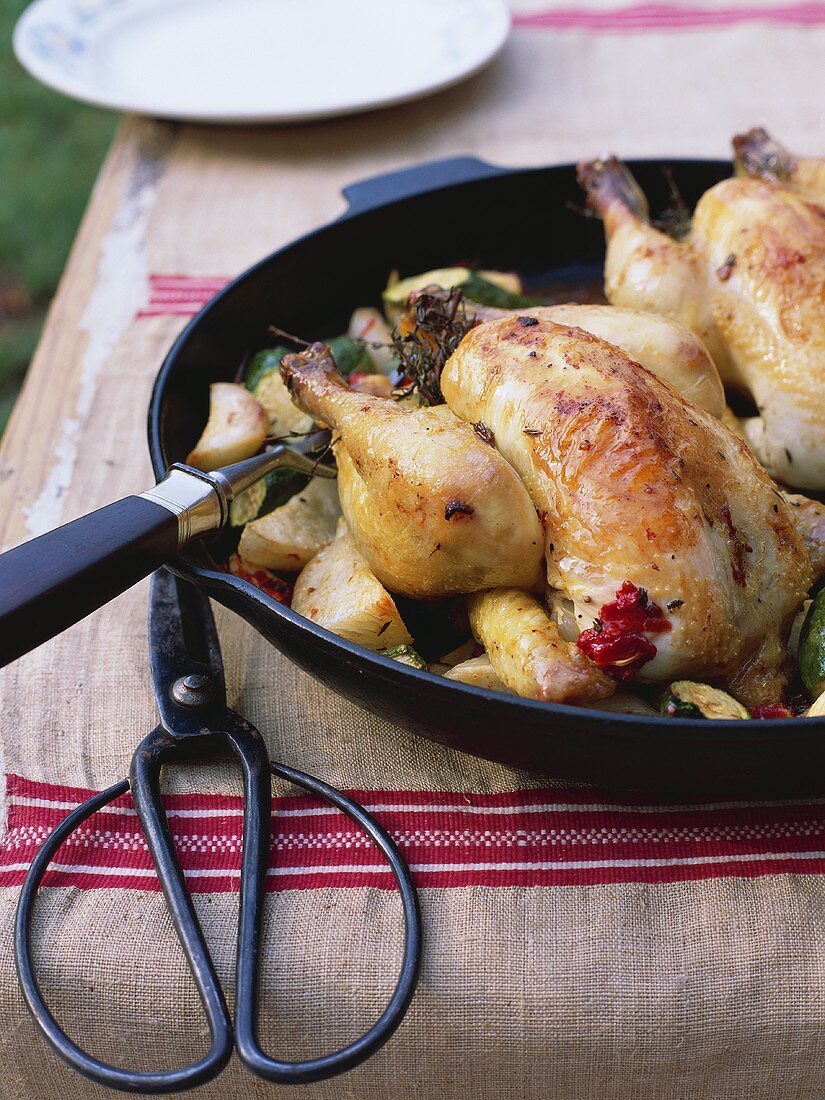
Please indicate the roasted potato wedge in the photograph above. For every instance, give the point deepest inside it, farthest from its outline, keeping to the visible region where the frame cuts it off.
(288, 537)
(478, 672)
(338, 591)
(624, 702)
(284, 416)
(236, 428)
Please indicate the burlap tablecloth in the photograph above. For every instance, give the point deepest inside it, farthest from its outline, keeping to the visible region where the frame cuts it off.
(577, 946)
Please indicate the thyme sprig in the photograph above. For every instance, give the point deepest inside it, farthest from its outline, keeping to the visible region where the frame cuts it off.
(433, 324)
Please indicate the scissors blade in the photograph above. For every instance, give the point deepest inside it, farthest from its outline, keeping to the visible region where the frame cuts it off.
(187, 667)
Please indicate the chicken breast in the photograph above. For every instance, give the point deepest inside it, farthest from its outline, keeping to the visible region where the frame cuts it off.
(664, 346)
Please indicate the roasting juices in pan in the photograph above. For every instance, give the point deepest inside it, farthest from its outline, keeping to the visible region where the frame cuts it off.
(556, 500)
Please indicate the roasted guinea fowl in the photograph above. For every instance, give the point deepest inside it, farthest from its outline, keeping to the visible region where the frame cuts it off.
(431, 505)
(660, 526)
(749, 280)
(759, 155)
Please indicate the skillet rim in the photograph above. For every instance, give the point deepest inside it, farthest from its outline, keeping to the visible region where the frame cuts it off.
(698, 732)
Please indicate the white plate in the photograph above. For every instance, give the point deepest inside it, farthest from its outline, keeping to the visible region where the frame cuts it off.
(256, 60)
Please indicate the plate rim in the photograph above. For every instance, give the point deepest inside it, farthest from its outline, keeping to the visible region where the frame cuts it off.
(51, 77)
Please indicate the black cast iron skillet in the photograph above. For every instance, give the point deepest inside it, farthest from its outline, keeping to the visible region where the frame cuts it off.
(439, 215)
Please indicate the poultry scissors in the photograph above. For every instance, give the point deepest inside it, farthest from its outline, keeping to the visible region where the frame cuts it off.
(196, 724)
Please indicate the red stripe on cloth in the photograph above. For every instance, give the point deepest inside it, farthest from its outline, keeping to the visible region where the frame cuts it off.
(543, 837)
(660, 17)
(180, 295)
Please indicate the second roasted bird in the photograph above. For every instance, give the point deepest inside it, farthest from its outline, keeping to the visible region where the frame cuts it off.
(432, 506)
(749, 280)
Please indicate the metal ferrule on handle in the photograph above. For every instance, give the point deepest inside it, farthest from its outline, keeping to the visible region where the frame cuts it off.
(200, 501)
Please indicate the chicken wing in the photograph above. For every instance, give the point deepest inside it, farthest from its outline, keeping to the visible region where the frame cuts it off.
(750, 282)
(527, 652)
(431, 504)
(759, 155)
(640, 491)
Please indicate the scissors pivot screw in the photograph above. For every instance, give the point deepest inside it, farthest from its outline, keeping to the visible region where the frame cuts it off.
(193, 690)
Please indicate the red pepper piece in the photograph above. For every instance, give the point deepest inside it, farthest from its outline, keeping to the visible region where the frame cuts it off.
(772, 710)
(618, 643)
(268, 582)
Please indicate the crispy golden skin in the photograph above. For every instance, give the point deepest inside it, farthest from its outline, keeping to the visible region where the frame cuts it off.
(433, 508)
(809, 518)
(633, 483)
(665, 347)
(750, 282)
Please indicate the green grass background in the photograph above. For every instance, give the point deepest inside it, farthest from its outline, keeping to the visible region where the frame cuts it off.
(50, 151)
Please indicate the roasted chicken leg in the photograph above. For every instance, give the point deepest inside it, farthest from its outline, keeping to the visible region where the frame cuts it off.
(759, 155)
(528, 653)
(750, 282)
(645, 499)
(430, 503)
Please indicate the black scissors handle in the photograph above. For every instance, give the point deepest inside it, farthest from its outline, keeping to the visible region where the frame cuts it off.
(156, 750)
(189, 934)
(253, 885)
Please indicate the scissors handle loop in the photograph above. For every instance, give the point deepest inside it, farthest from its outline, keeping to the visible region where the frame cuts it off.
(193, 943)
(253, 884)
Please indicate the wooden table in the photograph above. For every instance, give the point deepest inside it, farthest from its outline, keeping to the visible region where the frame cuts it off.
(207, 201)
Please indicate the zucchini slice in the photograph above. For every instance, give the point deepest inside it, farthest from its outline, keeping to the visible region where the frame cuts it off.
(811, 656)
(488, 288)
(263, 363)
(236, 428)
(367, 325)
(688, 699)
(266, 495)
(405, 655)
(263, 379)
(350, 356)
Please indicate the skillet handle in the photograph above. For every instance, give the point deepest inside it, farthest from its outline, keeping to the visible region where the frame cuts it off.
(55, 580)
(417, 180)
